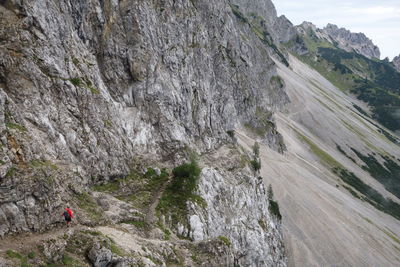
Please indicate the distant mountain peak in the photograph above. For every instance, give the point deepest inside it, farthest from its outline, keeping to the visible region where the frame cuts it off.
(352, 42)
(396, 63)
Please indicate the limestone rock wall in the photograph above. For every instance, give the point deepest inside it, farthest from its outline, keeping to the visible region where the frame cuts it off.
(88, 86)
(237, 209)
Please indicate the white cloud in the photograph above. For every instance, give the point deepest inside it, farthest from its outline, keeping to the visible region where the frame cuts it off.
(384, 12)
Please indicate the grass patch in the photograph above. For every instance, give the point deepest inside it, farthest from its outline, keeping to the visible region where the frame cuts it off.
(117, 250)
(392, 236)
(108, 187)
(321, 154)
(238, 14)
(13, 254)
(11, 171)
(88, 85)
(167, 233)
(42, 164)
(76, 81)
(138, 224)
(69, 261)
(135, 188)
(75, 61)
(89, 205)
(180, 191)
(92, 233)
(225, 240)
(15, 126)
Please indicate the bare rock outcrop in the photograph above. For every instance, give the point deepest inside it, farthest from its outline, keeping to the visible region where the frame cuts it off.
(396, 63)
(350, 41)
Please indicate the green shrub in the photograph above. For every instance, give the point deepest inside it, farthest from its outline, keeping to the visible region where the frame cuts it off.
(371, 195)
(226, 240)
(185, 179)
(231, 133)
(76, 81)
(256, 150)
(11, 172)
(31, 255)
(69, 261)
(15, 126)
(274, 209)
(255, 164)
(13, 254)
(387, 174)
(181, 190)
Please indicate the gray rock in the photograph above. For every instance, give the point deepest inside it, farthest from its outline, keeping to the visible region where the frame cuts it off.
(228, 213)
(100, 256)
(53, 249)
(350, 41)
(396, 63)
(5, 262)
(342, 38)
(86, 86)
(106, 83)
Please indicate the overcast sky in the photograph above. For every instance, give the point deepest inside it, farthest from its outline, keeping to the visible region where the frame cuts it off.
(378, 19)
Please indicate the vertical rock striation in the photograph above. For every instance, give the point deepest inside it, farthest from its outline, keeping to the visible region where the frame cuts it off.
(237, 209)
(88, 86)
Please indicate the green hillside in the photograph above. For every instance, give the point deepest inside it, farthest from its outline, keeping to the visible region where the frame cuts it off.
(374, 81)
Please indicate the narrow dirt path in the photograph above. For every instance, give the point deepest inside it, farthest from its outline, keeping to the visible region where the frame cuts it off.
(151, 213)
(29, 241)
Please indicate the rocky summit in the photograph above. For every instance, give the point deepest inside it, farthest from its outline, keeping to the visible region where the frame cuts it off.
(342, 38)
(396, 63)
(349, 41)
(193, 133)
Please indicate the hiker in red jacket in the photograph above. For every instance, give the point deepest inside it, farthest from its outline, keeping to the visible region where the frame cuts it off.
(68, 215)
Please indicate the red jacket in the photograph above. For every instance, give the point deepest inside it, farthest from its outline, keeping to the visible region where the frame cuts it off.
(71, 214)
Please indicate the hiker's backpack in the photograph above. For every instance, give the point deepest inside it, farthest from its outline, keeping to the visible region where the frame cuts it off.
(66, 215)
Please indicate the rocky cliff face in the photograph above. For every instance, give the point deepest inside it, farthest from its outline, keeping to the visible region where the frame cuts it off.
(396, 63)
(87, 87)
(280, 28)
(349, 41)
(341, 38)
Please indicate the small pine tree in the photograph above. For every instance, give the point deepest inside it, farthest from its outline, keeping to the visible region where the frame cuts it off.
(270, 192)
(256, 150)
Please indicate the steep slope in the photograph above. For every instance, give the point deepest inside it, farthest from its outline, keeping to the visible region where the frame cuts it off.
(374, 81)
(328, 219)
